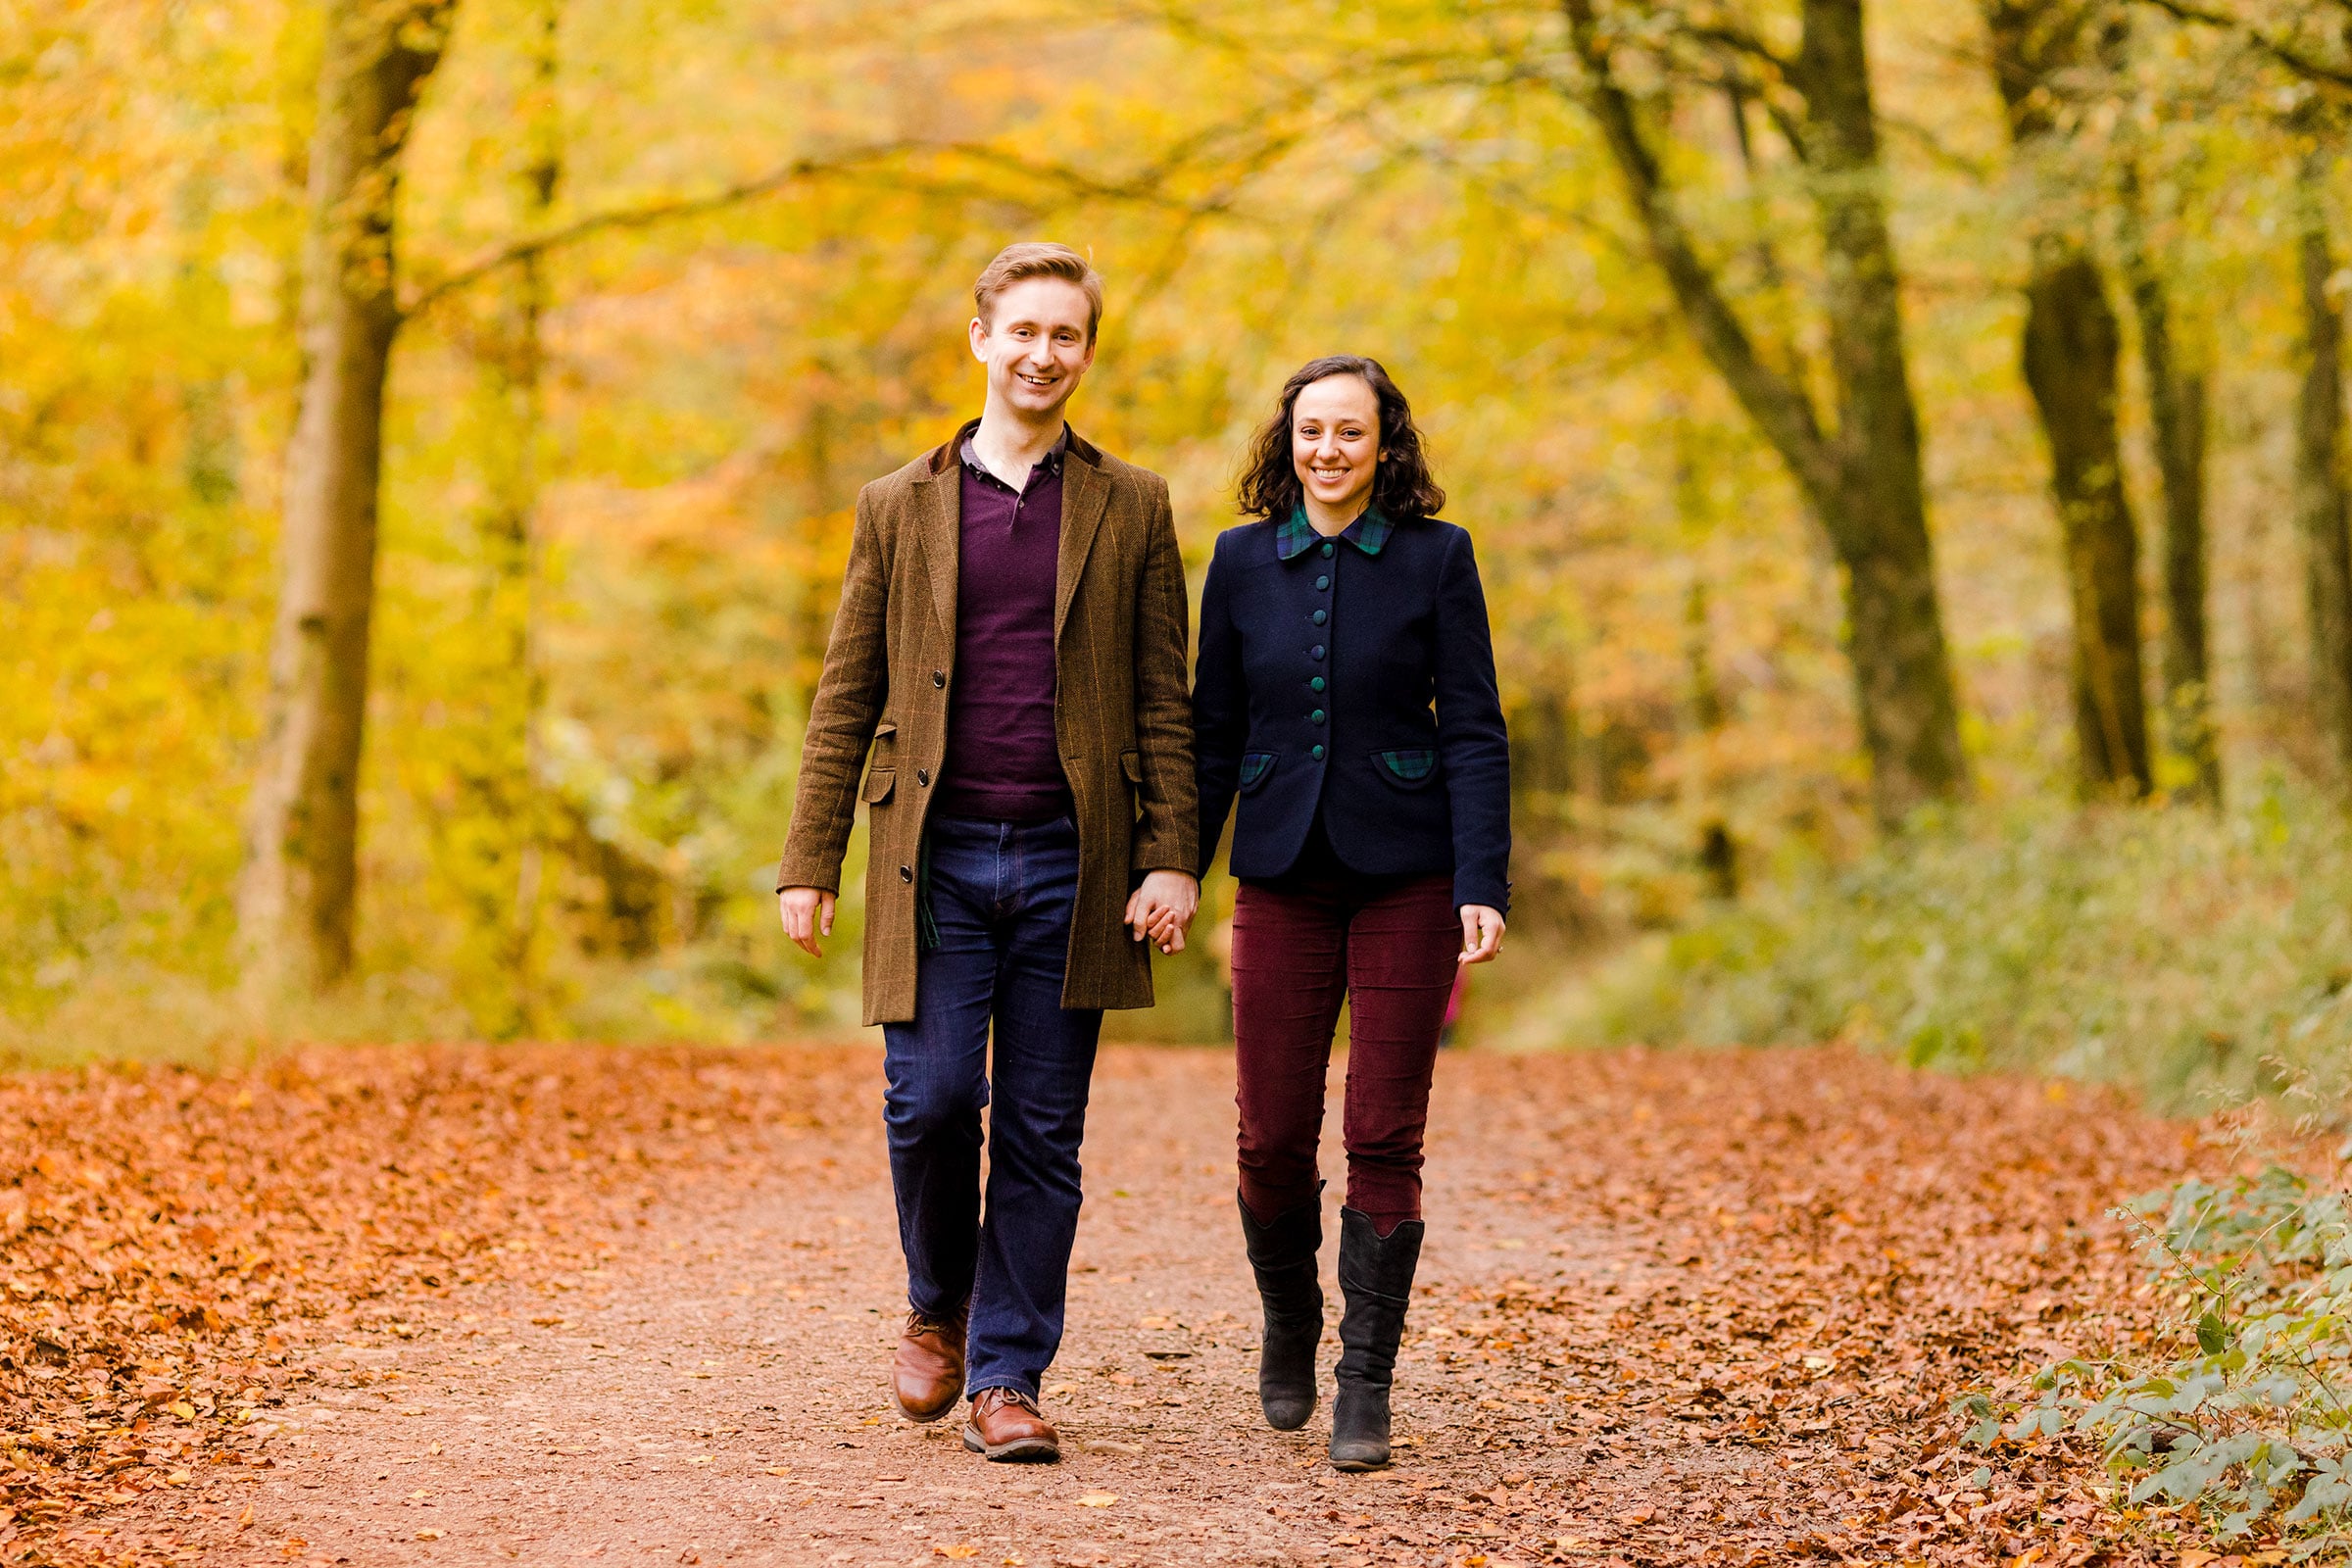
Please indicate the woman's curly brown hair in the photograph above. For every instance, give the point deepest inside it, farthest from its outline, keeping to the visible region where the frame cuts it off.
(1402, 488)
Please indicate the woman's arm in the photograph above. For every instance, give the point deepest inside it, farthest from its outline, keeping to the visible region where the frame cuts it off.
(1471, 740)
(1220, 705)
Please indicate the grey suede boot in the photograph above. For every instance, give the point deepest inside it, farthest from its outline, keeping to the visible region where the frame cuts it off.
(1376, 1278)
(1282, 1253)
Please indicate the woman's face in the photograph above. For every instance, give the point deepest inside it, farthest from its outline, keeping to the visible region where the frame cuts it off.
(1335, 441)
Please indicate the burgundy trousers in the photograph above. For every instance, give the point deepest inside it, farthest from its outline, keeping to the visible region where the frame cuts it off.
(1300, 950)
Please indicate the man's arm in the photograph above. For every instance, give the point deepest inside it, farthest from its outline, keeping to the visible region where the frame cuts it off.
(850, 695)
(1167, 837)
(1165, 850)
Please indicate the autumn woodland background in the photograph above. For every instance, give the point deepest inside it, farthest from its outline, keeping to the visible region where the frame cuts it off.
(1904, 443)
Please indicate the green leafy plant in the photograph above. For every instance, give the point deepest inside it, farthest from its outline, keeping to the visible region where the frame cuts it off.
(2248, 1421)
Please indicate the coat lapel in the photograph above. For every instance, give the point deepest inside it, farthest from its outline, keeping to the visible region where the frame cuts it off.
(1085, 491)
(941, 509)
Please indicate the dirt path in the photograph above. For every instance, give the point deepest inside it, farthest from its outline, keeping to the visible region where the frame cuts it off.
(1673, 1309)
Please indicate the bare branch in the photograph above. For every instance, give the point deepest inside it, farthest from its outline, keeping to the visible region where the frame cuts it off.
(1779, 406)
(1147, 187)
(643, 216)
(2285, 51)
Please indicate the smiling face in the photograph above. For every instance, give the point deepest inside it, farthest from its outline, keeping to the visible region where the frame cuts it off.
(1334, 442)
(1037, 344)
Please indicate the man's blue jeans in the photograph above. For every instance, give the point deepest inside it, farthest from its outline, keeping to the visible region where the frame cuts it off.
(1000, 895)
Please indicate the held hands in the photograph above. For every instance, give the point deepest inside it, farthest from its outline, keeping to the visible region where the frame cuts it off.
(1482, 934)
(1161, 910)
(808, 915)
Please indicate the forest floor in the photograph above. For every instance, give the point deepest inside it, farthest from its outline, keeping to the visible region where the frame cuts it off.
(600, 1306)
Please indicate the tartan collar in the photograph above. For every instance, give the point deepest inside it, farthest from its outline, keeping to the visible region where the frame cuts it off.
(1369, 532)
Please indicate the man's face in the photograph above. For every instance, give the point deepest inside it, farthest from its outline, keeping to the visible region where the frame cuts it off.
(1036, 345)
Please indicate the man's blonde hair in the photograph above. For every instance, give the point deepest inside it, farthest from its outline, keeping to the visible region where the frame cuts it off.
(1037, 259)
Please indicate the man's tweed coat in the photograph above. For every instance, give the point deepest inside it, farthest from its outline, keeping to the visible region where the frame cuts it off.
(1120, 711)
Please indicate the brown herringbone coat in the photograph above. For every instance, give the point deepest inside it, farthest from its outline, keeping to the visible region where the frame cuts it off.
(1120, 711)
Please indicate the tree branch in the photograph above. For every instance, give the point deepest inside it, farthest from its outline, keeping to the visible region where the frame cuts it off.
(1779, 405)
(1147, 187)
(2293, 56)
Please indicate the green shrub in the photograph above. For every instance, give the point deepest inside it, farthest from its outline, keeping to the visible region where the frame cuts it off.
(2244, 1416)
(2192, 956)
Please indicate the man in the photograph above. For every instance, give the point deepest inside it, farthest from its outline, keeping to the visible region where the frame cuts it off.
(1011, 643)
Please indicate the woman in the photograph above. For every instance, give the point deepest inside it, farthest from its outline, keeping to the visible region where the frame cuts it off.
(1346, 690)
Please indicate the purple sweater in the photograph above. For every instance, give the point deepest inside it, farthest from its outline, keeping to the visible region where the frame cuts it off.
(1003, 761)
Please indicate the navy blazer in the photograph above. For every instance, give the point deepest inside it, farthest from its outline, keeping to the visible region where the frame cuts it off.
(1357, 677)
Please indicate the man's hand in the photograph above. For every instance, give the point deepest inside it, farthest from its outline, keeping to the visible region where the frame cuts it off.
(1161, 910)
(1482, 934)
(808, 915)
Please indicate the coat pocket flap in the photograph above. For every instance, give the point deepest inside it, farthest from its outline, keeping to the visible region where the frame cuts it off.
(1256, 766)
(879, 781)
(1131, 763)
(1411, 765)
(884, 730)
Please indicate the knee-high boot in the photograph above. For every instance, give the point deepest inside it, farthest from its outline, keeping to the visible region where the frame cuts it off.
(1282, 1253)
(1376, 1278)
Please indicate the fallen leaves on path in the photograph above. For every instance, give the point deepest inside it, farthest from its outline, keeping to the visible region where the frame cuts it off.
(1832, 1248)
(1755, 1282)
(173, 1245)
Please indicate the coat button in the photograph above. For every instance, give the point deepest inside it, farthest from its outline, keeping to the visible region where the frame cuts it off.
(1315, 683)
(906, 873)
(1322, 584)
(939, 678)
(1328, 549)
(1320, 617)
(1315, 751)
(1316, 717)
(922, 775)
(1316, 653)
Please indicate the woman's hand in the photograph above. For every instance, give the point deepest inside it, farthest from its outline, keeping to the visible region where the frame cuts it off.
(1162, 909)
(1482, 934)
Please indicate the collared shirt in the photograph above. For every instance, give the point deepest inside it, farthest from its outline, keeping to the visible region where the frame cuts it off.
(1294, 535)
(1003, 761)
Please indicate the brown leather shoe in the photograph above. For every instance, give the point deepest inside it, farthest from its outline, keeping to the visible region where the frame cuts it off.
(1006, 1424)
(926, 1372)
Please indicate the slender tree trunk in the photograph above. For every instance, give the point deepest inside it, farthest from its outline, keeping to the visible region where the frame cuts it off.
(1879, 520)
(2320, 508)
(1863, 480)
(2176, 402)
(502, 786)
(301, 870)
(2073, 354)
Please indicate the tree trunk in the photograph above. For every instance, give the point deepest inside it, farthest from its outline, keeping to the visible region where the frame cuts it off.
(2320, 496)
(1910, 714)
(2177, 402)
(301, 869)
(1862, 480)
(2072, 355)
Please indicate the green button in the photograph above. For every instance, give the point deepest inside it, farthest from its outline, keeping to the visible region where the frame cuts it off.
(1320, 617)
(1317, 683)
(1322, 583)
(1316, 752)
(1316, 717)
(1328, 548)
